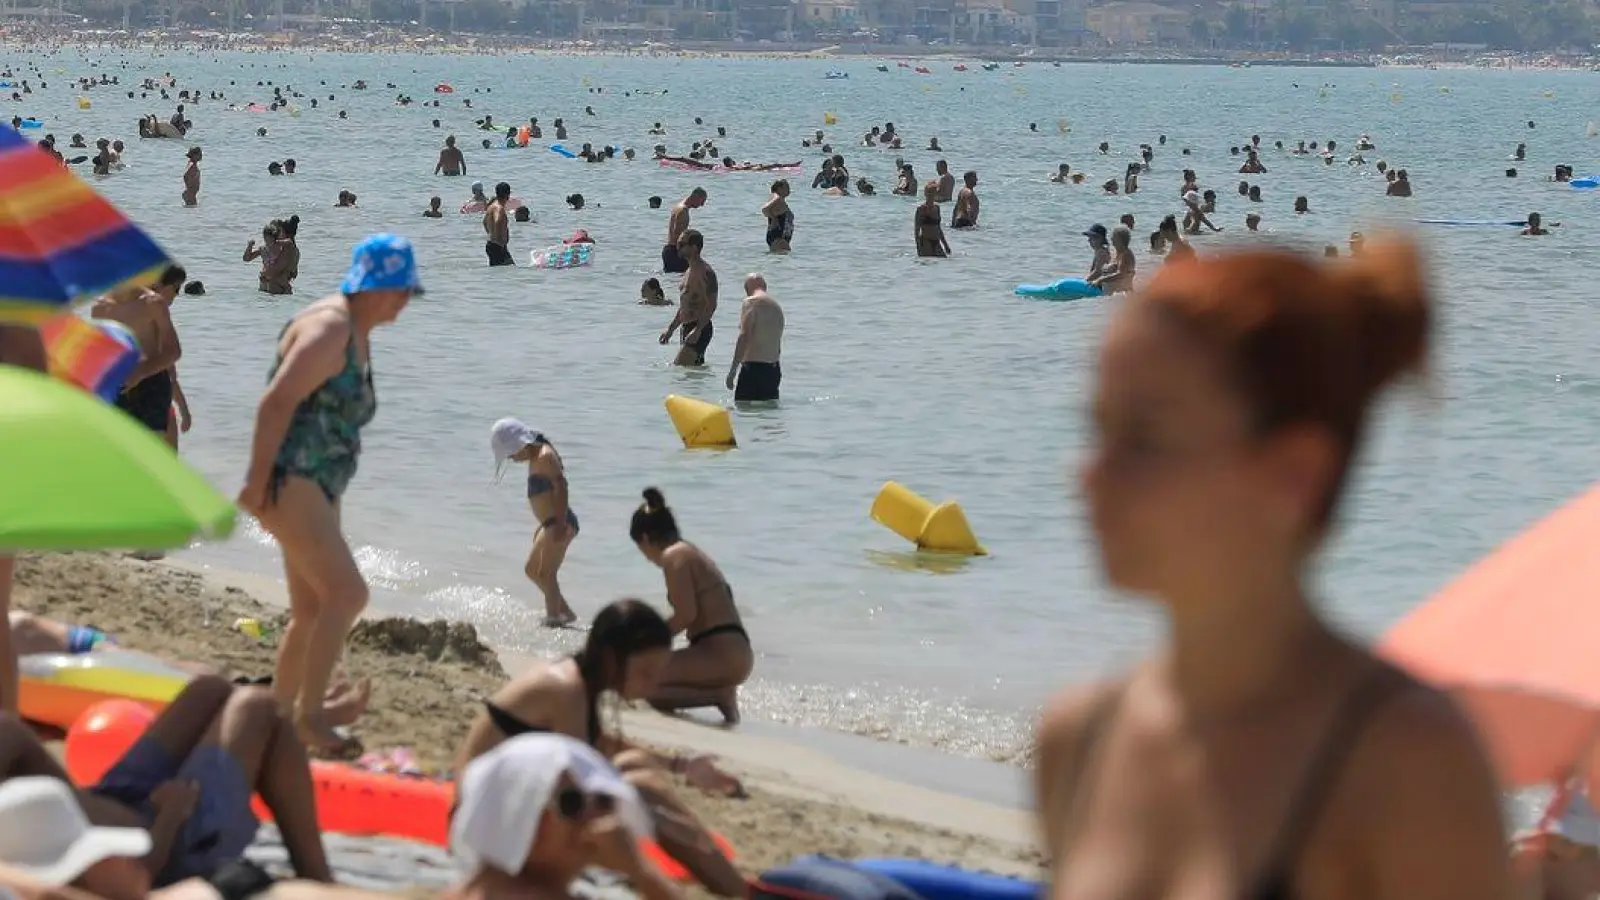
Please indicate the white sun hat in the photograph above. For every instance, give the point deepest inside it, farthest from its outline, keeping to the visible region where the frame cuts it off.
(503, 796)
(44, 833)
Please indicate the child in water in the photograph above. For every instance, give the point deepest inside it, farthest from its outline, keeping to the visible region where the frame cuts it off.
(651, 294)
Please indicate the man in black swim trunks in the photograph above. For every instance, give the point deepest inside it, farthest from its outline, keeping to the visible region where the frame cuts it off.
(497, 227)
(697, 302)
(146, 311)
(672, 261)
(754, 374)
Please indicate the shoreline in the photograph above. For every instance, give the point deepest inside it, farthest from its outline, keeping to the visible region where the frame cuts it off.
(997, 736)
(921, 768)
(429, 677)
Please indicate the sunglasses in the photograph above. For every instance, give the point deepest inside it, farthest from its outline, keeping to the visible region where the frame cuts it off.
(572, 804)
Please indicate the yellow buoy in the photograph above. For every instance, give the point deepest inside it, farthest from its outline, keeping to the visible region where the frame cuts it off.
(942, 528)
(829, 118)
(83, 103)
(699, 423)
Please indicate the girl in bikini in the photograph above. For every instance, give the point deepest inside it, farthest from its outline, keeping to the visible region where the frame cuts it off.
(513, 441)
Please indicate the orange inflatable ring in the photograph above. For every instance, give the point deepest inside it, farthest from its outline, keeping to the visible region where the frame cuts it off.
(349, 800)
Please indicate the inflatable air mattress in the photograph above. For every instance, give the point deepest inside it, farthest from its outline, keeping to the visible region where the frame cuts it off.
(723, 170)
(562, 256)
(1064, 289)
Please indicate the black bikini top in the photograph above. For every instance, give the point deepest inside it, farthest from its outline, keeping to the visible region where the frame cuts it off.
(1354, 712)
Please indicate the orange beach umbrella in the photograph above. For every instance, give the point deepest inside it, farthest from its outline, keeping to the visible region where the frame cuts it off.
(1516, 638)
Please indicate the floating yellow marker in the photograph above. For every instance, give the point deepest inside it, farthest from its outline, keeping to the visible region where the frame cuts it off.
(829, 119)
(699, 423)
(83, 103)
(942, 528)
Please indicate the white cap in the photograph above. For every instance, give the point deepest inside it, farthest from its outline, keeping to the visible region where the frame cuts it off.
(507, 438)
(44, 833)
(1192, 197)
(503, 795)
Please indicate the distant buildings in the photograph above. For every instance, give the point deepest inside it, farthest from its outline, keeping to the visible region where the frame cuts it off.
(1137, 22)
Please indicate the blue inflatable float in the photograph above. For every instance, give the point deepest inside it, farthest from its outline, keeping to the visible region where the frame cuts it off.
(32, 123)
(559, 150)
(1587, 182)
(932, 881)
(1065, 289)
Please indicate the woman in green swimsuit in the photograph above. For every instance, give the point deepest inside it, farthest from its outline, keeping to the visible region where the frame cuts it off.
(307, 440)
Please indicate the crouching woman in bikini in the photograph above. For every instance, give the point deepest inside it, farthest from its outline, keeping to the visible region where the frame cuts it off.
(627, 648)
(719, 658)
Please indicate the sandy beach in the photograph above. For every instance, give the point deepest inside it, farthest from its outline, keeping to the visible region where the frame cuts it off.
(428, 678)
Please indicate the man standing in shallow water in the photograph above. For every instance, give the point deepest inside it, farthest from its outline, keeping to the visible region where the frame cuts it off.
(755, 355)
(697, 302)
(451, 161)
(965, 215)
(672, 261)
(947, 181)
(497, 227)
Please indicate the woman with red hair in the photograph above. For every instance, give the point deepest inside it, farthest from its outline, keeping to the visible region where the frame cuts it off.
(1259, 753)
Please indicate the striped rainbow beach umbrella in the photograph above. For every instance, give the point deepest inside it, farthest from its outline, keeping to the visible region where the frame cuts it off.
(60, 241)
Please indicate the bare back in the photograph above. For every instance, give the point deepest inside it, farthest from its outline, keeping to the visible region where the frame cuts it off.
(677, 222)
(142, 313)
(711, 594)
(495, 226)
(548, 696)
(761, 320)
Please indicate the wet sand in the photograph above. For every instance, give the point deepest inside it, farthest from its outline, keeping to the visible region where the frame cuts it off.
(429, 677)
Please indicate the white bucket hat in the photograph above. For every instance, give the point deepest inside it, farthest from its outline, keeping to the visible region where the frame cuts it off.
(504, 794)
(44, 833)
(507, 438)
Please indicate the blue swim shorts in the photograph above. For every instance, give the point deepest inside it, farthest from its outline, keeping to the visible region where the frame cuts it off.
(222, 824)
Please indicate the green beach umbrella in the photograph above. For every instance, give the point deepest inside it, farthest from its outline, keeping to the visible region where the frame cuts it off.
(79, 474)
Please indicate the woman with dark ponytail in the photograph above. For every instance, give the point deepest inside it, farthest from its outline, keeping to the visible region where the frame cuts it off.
(627, 648)
(719, 657)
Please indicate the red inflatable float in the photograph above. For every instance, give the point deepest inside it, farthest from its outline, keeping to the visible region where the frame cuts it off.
(349, 800)
(443, 88)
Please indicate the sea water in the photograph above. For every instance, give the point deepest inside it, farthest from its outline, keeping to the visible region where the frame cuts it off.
(928, 372)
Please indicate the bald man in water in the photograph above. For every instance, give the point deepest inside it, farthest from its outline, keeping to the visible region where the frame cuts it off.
(755, 356)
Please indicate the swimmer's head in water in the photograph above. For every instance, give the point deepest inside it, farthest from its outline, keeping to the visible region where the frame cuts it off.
(696, 198)
(651, 289)
(626, 650)
(781, 187)
(654, 202)
(1242, 382)
(575, 201)
(653, 527)
(1252, 221)
(754, 282)
(522, 214)
(502, 192)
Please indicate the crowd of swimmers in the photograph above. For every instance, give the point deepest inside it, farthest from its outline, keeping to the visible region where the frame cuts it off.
(1240, 381)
